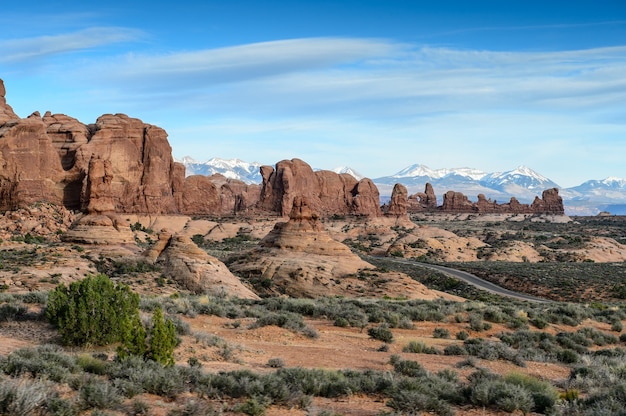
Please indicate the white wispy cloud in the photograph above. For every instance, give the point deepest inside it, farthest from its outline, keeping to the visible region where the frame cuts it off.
(212, 67)
(24, 49)
(370, 76)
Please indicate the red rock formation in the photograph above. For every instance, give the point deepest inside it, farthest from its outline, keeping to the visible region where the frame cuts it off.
(456, 202)
(47, 159)
(6, 112)
(550, 203)
(398, 203)
(101, 225)
(30, 167)
(326, 192)
(422, 201)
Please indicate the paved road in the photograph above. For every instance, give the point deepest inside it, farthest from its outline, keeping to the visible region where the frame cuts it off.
(473, 280)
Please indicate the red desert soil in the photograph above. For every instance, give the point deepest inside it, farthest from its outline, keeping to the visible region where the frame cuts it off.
(335, 348)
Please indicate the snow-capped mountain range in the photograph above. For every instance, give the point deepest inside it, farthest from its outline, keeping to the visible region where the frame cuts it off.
(230, 168)
(588, 198)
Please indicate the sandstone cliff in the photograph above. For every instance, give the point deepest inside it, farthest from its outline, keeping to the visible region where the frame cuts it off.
(327, 192)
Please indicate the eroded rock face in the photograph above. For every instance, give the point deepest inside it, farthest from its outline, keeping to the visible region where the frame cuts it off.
(399, 201)
(457, 202)
(327, 192)
(47, 159)
(422, 201)
(6, 112)
(299, 258)
(100, 225)
(196, 270)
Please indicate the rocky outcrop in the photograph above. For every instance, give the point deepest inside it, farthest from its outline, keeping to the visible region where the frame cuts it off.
(327, 192)
(550, 202)
(456, 202)
(100, 225)
(6, 112)
(194, 269)
(43, 220)
(299, 258)
(422, 201)
(46, 159)
(398, 203)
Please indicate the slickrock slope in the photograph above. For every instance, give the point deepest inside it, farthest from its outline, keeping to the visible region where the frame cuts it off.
(194, 269)
(327, 192)
(299, 258)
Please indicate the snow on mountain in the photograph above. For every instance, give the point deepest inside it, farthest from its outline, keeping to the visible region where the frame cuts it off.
(608, 190)
(350, 171)
(521, 176)
(230, 168)
(418, 170)
(589, 198)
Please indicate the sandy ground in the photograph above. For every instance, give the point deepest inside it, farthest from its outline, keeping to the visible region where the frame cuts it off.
(335, 348)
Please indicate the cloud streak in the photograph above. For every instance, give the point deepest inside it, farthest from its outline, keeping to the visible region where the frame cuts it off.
(351, 75)
(26, 49)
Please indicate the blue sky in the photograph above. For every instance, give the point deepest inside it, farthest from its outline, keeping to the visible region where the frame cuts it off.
(376, 85)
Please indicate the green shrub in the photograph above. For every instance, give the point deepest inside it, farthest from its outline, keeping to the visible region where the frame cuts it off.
(454, 349)
(568, 356)
(462, 335)
(276, 363)
(617, 326)
(23, 397)
(162, 340)
(543, 393)
(92, 311)
(99, 394)
(441, 333)
(419, 348)
(381, 333)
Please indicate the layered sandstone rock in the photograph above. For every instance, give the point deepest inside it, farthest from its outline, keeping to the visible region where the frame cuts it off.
(6, 112)
(398, 203)
(47, 159)
(327, 192)
(194, 269)
(550, 203)
(218, 195)
(100, 225)
(422, 201)
(299, 258)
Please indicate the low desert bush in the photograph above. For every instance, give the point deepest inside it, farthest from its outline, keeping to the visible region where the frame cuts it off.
(381, 333)
(418, 347)
(441, 333)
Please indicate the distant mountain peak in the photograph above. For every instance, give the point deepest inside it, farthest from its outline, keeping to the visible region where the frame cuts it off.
(230, 168)
(349, 171)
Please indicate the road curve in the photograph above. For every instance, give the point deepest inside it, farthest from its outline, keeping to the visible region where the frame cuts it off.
(473, 280)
